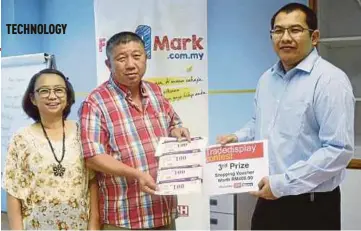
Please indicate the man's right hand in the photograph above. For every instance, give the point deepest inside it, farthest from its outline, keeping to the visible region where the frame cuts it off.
(147, 183)
(226, 139)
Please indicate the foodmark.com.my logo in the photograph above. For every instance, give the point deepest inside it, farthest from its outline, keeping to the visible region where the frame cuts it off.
(178, 48)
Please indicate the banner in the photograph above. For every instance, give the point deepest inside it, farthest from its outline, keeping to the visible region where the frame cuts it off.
(175, 36)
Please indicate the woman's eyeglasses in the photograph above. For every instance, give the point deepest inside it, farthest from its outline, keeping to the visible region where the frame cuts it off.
(59, 92)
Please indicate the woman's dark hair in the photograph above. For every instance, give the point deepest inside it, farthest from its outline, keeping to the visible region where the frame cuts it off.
(31, 110)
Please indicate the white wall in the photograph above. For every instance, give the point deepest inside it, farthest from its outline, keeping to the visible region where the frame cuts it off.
(351, 201)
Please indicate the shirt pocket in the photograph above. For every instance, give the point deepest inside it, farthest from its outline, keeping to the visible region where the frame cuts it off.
(291, 118)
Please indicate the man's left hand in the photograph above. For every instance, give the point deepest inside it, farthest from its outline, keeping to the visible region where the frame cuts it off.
(181, 133)
(264, 190)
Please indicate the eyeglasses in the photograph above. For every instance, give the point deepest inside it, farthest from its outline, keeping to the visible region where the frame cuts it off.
(59, 92)
(293, 31)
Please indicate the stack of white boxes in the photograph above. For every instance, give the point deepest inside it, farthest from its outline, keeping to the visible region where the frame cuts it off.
(223, 212)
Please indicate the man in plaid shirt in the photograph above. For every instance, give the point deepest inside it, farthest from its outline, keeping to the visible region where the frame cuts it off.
(121, 121)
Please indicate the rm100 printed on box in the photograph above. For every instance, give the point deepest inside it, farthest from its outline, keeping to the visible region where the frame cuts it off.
(192, 167)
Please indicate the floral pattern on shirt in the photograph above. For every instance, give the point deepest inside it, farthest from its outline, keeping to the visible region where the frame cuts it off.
(48, 201)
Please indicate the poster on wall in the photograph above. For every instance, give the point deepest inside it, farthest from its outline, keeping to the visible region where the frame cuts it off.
(175, 37)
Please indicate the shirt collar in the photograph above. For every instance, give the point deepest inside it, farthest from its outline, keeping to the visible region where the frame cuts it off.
(123, 90)
(308, 63)
(305, 65)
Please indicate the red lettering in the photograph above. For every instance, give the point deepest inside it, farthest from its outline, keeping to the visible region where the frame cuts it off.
(184, 42)
(161, 44)
(176, 44)
(197, 42)
(101, 44)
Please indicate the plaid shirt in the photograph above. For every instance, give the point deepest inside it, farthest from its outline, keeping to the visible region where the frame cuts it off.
(111, 124)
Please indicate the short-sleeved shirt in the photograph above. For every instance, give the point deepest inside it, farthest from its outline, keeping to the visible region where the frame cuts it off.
(112, 124)
(48, 202)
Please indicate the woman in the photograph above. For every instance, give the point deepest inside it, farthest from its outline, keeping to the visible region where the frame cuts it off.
(46, 180)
